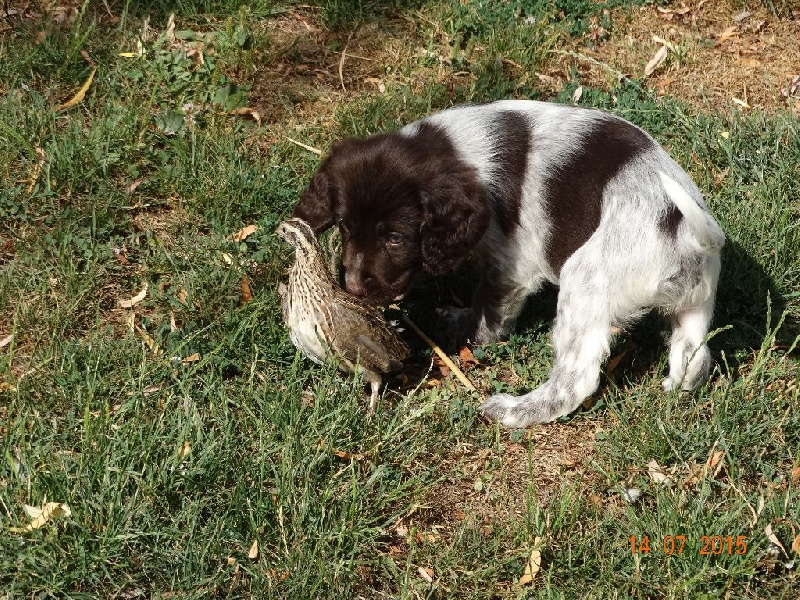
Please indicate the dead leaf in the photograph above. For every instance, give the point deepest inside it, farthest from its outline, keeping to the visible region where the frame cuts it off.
(596, 499)
(614, 362)
(149, 341)
(191, 358)
(185, 450)
(247, 295)
(6, 340)
(796, 544)
(774, 538)
(631, 495)
(439, 364)
(253, 552)
(78, 97)
(741, 103)
(244, 233)
(726, 35)
(348, 455)
(120, 256)
(169, 34)
(135, 184)
(749, 62)
(40, 516)
(796, 475)
(674, 11)
(466, 358)
(664, 42)
(714, 462)
(426, 573)
(534, 563)
(37, 169)
(548, 79)
(655, 62)
(656, 472)
(741, 16)
(135, 300)
(275, 575)
(714, 458)
(576, 95)
(247, 111)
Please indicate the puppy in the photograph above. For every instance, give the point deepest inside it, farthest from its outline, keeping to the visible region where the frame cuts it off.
(541, 192)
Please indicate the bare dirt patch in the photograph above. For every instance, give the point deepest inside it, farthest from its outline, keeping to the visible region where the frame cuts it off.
(486, 486)
(311, 69)
(724, 55)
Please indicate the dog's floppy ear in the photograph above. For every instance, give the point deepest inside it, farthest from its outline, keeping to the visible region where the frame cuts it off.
(317, 204)
(455, 217)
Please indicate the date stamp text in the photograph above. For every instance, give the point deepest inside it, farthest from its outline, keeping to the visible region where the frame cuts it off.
(675, 545)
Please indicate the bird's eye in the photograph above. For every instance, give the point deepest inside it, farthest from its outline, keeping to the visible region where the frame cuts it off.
(394, 239)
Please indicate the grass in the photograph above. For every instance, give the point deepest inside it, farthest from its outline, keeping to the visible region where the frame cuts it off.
(178, 443)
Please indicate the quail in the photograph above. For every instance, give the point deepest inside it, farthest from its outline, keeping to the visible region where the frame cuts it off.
(324, 320)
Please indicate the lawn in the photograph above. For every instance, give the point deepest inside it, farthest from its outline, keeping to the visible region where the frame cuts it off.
(152, 403)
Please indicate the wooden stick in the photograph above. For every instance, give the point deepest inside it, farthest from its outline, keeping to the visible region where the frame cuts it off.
(341, 68)
(316, 151)
(445, 359)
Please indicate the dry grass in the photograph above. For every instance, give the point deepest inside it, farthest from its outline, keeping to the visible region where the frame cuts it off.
(754, 62)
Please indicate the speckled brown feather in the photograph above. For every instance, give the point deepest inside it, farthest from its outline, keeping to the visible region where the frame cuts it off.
(324, 320)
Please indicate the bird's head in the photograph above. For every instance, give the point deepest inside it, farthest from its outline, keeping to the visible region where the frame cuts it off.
(299, 234)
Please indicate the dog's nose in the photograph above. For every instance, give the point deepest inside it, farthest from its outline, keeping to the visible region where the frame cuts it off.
(354, 286)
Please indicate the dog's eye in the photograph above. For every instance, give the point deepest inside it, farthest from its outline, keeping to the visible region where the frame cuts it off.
(394, 239)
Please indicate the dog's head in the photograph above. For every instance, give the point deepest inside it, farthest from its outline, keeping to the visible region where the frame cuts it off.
(403, 204)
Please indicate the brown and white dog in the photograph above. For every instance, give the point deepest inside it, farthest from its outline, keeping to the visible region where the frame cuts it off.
(542, 192)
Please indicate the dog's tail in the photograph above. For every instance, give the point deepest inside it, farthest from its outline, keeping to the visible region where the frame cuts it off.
(702, 225)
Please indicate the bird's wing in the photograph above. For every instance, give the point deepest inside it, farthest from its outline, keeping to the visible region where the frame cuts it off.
(367, 337)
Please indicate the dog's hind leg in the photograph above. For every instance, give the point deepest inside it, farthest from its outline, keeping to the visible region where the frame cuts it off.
(581, 338)
(689, 357)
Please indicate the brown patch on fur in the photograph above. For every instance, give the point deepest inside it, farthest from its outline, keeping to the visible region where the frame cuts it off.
(512, 143)
(670, 221)
(575, 191)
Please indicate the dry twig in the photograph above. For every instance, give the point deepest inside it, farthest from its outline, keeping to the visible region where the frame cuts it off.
(441, 353)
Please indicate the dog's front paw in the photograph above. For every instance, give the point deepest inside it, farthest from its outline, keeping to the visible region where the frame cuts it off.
(538, 406)
(499, 408)
(668, 384)
(513, 412)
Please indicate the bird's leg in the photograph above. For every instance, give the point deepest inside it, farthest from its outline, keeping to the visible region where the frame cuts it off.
(374, 386)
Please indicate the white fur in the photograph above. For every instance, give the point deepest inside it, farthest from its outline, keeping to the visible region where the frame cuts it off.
(627, 267)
